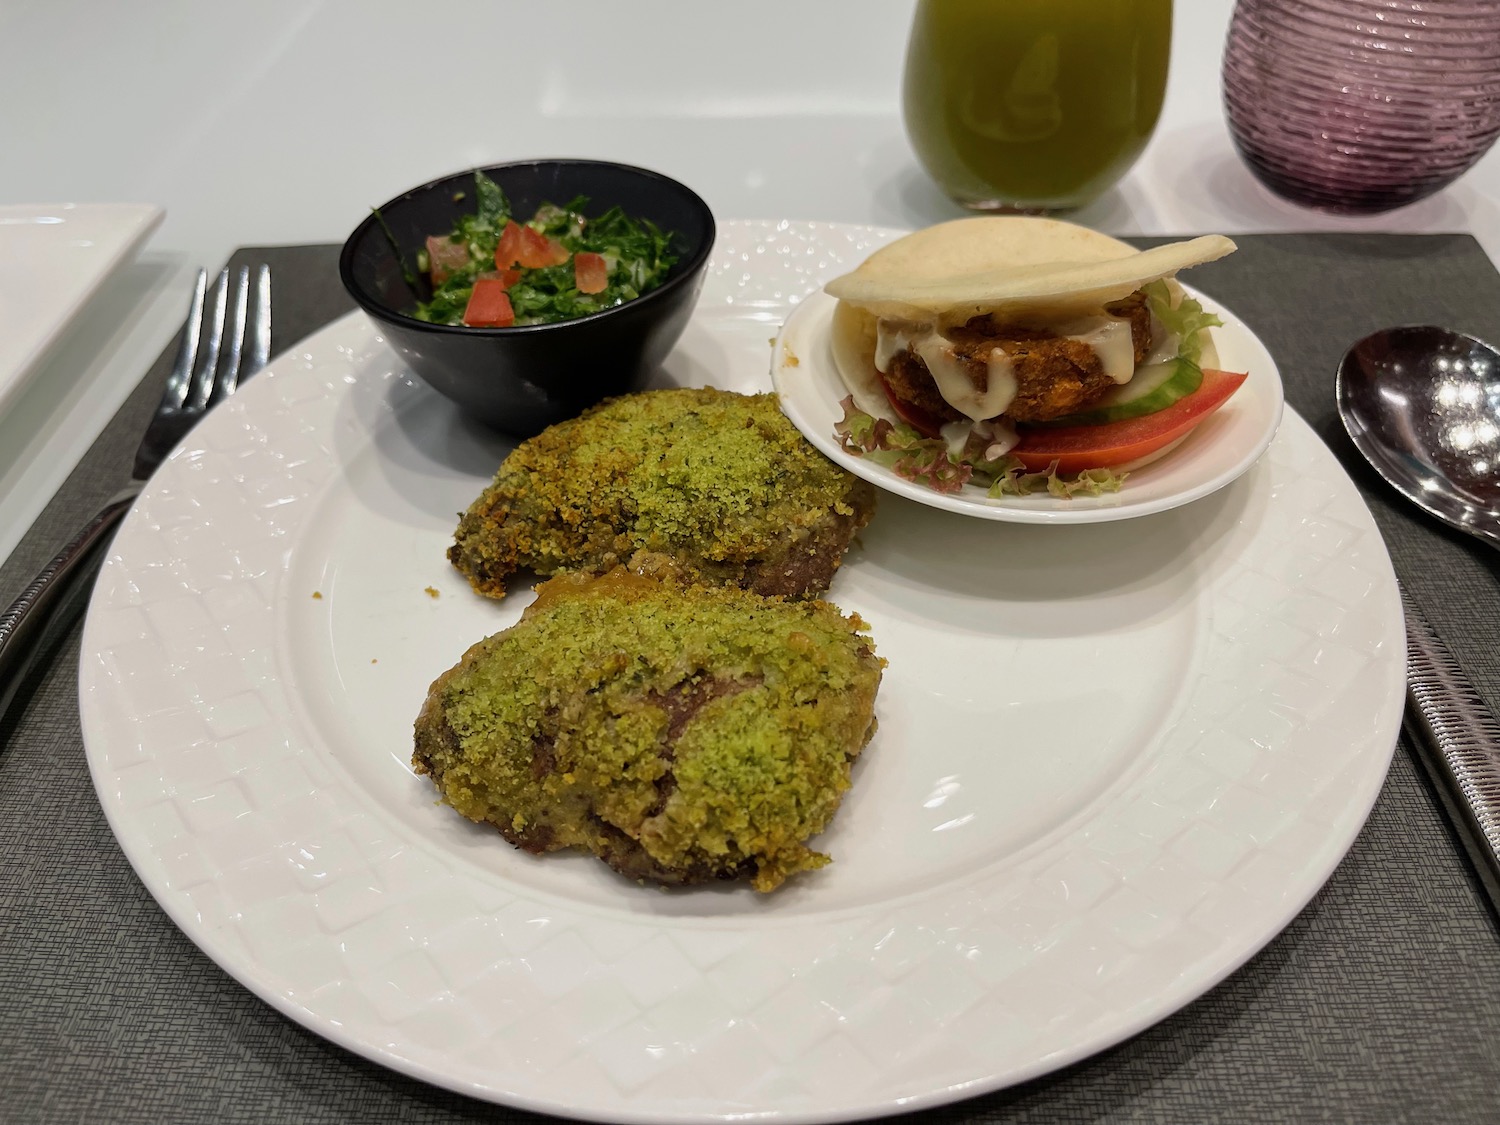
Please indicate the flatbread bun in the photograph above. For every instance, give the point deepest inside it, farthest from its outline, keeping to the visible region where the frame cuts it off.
(1031, 268)
(1010, 263)
(853, 339)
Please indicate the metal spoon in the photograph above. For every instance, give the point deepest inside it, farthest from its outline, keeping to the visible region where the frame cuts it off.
(1423, 406)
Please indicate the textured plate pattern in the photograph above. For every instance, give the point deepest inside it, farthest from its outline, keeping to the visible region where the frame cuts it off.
(250, 757)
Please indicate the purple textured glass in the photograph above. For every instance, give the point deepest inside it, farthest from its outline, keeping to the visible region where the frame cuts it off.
(1362, 105)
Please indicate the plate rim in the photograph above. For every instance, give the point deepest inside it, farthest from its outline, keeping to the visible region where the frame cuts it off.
(136, 849)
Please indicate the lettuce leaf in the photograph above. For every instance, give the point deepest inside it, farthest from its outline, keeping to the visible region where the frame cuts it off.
(901, 449)
(1016, 481)
(1185, 321)
(928, 461)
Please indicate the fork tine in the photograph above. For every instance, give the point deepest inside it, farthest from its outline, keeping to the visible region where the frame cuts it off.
(229, 370)
(249, 335)
(260, 349)
(176, 390)
(208, 362)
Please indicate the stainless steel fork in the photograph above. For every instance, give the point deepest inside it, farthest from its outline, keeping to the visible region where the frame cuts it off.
(210, 364)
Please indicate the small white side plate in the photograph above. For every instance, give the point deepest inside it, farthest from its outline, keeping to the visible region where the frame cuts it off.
(53, 258)
(1215, 453)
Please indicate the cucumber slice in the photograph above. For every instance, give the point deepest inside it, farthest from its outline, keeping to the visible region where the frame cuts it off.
(1153, 387)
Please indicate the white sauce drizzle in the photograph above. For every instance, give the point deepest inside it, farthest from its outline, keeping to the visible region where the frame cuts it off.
(892, 337)
(1109, 336)
(1000, 383)
(948, 372)
(996, 436)
(956, 434)
(1111, 340)
(956, 385)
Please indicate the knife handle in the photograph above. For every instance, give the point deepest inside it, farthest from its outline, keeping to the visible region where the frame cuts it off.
(1458, 741)
(27, 627)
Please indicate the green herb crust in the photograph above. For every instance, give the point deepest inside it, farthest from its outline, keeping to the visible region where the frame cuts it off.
(681, 734)
(637, 254)
(720, 486)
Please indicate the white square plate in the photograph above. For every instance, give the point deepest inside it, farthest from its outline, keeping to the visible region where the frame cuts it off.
(53, 258)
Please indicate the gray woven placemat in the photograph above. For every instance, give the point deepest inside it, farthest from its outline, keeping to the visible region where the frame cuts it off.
(1380, 1003)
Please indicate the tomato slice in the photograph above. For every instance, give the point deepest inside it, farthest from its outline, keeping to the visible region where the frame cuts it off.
(444, 258)
(508, 250)
(928, 425)
(1076, 448)
(537, 250)
(489, 305)
(590, 274)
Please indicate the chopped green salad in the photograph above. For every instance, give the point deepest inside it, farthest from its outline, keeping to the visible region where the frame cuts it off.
(493, 271)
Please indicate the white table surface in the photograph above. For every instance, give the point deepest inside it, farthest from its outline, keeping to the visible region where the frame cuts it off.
(284, 120)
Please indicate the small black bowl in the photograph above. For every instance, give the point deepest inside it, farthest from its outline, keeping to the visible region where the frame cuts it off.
(524, 378)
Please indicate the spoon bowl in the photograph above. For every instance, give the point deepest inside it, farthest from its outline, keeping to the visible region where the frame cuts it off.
(1422, 404)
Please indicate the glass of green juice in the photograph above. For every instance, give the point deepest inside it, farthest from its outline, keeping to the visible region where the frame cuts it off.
(1034, 106)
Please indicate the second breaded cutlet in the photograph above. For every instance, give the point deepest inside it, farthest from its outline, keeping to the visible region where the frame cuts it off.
(682, 734)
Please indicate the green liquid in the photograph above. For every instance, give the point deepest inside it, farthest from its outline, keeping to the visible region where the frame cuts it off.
(1034, 104)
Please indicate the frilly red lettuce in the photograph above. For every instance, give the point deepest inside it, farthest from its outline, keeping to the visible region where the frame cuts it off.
(929, 461)
(901, 449)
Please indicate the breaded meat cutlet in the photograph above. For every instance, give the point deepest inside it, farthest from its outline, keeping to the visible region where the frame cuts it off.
(1055, 376)
(680, 733)
(718, 486)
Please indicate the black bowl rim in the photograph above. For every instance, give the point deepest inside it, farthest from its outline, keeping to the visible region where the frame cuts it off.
(400, 319)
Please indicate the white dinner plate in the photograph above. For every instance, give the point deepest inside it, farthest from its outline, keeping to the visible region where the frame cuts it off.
(1113, 761)
(1217, 451)
(53, 257)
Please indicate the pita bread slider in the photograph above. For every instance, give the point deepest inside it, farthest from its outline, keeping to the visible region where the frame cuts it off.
(1026, 353)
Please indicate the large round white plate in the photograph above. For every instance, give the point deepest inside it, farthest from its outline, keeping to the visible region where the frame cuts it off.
(1113, 761)
(1217, 451)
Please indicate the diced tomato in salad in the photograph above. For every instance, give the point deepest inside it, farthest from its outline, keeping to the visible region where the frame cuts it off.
(445, 257)
(531, 249)
(522, 246)
(590, 272)
(538, 251)
(489, 305)
(508, 250)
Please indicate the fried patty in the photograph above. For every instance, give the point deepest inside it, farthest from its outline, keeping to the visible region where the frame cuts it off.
(680, 733)
(1054, 376)
(712, 485)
